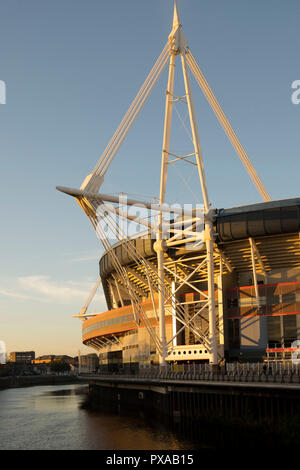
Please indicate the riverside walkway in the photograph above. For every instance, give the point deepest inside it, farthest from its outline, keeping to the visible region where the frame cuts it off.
(281, 375)
(251, 393)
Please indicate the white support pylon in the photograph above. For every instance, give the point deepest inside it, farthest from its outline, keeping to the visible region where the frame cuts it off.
(158, 246)
(178, 46)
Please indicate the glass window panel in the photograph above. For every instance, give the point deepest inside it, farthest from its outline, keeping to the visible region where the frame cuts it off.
(289, 328)
(274, 334)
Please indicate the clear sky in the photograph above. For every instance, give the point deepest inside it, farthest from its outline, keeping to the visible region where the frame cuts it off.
(71, 69)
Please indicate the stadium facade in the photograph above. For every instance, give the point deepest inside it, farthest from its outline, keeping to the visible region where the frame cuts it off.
(257, 292)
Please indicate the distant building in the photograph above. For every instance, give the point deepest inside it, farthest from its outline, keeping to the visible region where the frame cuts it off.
(22, 357)
(44, 359)
(48, 359)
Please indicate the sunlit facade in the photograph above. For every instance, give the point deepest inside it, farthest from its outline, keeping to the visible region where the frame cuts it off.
(257, 293)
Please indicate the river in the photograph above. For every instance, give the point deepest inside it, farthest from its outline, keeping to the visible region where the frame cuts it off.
(51, 417)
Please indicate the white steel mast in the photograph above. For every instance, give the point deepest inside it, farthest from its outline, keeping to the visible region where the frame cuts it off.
(178, 46)
(89, 198)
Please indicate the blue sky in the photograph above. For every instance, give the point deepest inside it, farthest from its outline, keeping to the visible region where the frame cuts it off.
(71, 69)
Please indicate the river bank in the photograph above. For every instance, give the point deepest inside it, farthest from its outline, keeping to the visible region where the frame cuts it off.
(29, 381)
(268, 415)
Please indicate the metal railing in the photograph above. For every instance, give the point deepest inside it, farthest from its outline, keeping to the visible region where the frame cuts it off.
(231, 372)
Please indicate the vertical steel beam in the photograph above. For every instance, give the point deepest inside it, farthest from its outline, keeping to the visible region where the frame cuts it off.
(209, 239)
(220, 304)
(112, 291)
(118, 290)
(195, 132)
(158, 246)
(174, 320)
(159, 237)
(254, 274)
(167, 129)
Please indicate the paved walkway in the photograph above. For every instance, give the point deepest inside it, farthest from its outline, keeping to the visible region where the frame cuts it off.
(189, 382)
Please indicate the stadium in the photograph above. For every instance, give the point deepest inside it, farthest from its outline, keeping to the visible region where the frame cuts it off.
(257, 292)
(216, 284)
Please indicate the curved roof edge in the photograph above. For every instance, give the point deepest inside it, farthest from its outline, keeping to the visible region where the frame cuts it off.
(260, 206)
(235, 223)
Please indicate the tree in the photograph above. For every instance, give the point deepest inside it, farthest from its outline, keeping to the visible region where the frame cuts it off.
(60, 366)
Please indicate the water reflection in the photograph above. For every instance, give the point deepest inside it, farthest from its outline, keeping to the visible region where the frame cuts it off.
(51, 417)
(123, 431)
(76, 390)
